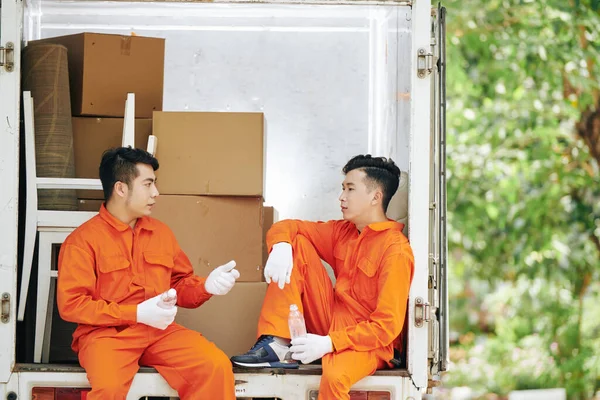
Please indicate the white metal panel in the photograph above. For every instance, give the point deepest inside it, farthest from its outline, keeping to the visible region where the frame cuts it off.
(389, 96)
(419, 190)
(248, 385)
(11, 16)
(316, 72)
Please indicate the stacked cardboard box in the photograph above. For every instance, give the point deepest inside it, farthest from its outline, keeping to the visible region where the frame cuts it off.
(211, 175)
(211, 180)
(103, 68)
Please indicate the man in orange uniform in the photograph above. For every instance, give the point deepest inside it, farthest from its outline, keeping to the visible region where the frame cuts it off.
(111, 274)
(355, 326)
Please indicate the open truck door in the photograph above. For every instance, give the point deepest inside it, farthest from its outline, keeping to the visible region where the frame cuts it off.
(438, 245)
(428, 303)
(11, 18)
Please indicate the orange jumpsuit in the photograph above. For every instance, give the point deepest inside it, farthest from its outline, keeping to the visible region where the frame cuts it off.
(365, 313)
(105, 270)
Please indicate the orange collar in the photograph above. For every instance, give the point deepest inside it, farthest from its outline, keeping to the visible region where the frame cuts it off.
(142, 223)
(382, 226)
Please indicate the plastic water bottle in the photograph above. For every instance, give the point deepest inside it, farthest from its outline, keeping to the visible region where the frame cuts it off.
(168, 299)
(296, 322)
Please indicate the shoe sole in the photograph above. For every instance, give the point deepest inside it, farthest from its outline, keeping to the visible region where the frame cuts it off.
(268, 365)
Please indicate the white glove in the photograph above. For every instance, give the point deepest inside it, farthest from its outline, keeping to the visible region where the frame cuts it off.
(168, 299)
(279, 264)
(310, 348)
(149, 313)
(221, 279)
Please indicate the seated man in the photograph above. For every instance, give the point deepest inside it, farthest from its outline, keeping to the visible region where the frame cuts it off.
(354, 327)
(111, 274)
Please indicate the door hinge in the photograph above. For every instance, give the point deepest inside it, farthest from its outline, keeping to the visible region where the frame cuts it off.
(422, 312)
(5, 308)
(424, 63)
(7, 57)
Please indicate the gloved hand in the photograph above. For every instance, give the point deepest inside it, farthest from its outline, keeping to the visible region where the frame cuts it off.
(279, 264)
(221, 279)
(310, 348)
(168, 299)
(149, 313)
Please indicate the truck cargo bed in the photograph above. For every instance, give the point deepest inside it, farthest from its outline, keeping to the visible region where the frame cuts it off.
(303, 370)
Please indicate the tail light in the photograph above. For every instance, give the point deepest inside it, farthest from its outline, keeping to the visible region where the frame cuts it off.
(358, 395)
(59, 393)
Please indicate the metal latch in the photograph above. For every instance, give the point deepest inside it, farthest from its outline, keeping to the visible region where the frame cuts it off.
(422, 312)
(7, 57)
(424, 63)
(5, 308)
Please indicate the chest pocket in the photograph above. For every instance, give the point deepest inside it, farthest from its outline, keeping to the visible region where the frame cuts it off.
(114, 277)
(339, 253)
(158, 270)
(364, 284)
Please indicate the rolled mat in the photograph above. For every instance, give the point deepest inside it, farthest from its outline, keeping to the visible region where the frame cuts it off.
(46, 75)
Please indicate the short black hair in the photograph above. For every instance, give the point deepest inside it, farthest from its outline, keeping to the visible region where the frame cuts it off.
(119, 165)
(381, 171)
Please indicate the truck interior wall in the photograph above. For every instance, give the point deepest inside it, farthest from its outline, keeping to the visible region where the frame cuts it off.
(332, 81)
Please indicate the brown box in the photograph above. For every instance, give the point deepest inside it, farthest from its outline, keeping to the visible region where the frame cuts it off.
(229, 321)
(210, 153)
(103, 68)
(92, 136)
(213, 230)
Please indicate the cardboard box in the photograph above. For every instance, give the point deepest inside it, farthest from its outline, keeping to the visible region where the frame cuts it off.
(103, 68)
(92, 136)
(229, 321)
(213, 230)
(210, 153)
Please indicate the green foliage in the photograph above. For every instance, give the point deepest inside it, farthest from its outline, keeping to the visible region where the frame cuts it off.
(523, 190)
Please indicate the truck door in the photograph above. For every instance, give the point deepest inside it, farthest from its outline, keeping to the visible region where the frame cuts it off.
(427, 319)
(11, 17)
(438, 244)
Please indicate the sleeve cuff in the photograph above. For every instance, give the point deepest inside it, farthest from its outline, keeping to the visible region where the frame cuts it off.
(202, 294)
(339, 341)
(278, 239)
(128, 314)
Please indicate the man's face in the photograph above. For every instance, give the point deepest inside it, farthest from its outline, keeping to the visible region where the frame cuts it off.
(142, 192)
(356, 198)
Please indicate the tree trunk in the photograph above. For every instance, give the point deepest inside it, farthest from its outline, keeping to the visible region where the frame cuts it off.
(588, 128)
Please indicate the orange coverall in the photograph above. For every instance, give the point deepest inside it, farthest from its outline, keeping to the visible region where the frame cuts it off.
(365, 313)
(105, 270)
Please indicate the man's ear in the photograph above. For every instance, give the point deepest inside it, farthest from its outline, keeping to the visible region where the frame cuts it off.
(377, 197)
(121, 189)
